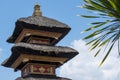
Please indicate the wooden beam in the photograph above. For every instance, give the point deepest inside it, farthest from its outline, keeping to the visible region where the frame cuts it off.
(28, 32)
(26, 57)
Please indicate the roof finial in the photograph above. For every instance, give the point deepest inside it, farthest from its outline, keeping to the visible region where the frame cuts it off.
(37, 11)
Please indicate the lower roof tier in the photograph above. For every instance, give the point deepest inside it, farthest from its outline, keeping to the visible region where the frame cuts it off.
(22, 52)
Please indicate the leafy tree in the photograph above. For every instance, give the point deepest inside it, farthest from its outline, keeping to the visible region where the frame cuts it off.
(106, 33)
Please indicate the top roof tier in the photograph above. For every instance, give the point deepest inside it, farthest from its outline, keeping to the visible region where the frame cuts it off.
(38, 29)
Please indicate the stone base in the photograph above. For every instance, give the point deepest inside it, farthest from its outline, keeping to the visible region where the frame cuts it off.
(30, 78)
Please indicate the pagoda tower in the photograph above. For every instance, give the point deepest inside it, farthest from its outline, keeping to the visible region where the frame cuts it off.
(34, 52)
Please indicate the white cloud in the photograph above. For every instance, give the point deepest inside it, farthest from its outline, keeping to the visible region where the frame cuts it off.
(85, 67)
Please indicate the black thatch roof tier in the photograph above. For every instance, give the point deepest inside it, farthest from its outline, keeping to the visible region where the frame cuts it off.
(39, 23)
(43, 21)
(40, 50)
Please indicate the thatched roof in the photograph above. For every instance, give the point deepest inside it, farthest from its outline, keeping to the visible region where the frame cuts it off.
(39, 23)
(40, 50)
(44, 48)
(43, 21)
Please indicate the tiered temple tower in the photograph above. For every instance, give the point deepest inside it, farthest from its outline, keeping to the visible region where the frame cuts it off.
(34, 52)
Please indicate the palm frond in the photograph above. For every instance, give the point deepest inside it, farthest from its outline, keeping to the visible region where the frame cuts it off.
(108, 30)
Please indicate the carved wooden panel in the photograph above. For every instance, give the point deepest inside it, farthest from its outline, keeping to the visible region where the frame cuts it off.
(39, 69)
(38, 40)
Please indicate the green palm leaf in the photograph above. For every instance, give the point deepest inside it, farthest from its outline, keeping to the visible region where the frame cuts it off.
(107, 54)
(108, 30)
(89, 16)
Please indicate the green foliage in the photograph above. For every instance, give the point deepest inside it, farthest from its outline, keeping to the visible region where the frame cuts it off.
(108, 30)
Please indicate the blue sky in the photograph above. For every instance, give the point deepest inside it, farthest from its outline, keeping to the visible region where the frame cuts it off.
(64, 11)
